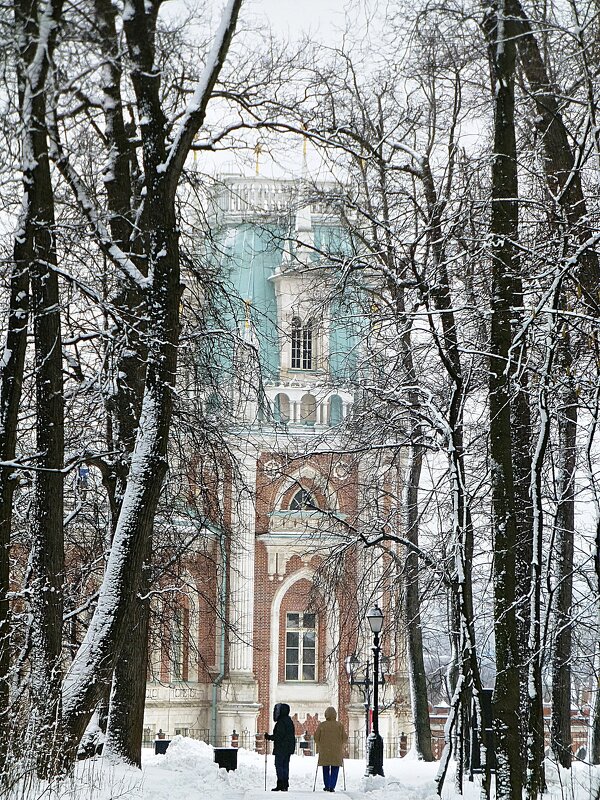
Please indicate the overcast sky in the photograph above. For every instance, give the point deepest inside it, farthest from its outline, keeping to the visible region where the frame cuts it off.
(295, 17)
(324, 20)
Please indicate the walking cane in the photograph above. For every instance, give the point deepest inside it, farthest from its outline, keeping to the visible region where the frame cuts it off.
(316, 772)
(344, 773)
(266, 751)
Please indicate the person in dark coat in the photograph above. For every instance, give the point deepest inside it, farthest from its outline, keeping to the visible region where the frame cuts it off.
(284, 739)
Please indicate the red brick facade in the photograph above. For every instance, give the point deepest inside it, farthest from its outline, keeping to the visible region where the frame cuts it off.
(301, 595)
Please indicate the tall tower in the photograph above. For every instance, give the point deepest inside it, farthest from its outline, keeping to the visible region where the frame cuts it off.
(289, 634)
(293, 493)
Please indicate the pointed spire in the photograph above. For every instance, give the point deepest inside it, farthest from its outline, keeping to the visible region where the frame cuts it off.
(304, 228)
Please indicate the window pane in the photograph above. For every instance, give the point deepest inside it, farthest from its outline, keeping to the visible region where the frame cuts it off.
(302, 501)
(301, 647)
(296, 343)
(307, 342)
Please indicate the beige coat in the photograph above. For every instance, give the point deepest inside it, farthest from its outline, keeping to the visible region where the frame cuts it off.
(330, 738)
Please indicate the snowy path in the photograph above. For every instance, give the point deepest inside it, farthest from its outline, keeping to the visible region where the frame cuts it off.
(188, 772)
(294, 795)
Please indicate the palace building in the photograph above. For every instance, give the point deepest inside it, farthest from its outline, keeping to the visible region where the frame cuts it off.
(278, 594)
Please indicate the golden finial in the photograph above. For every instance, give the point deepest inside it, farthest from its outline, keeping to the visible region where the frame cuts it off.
(258, 148)
(304, 142)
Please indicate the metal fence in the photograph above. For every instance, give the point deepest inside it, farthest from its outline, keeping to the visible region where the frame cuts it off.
(234, 739)
(393, 747)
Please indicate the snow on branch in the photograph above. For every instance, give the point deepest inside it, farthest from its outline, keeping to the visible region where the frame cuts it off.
(448, 728)
(196, 110)
(120, 259)
(48, 26)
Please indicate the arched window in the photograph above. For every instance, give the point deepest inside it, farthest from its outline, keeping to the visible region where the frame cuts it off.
(302, 501)
(300, 646)
(281, 408)
(308, 409)
(336, 410)
(302, 344)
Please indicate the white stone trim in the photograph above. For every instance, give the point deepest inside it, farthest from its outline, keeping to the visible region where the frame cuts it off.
(331, 638)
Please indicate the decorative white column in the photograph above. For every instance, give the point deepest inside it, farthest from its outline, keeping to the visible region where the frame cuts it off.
(238, 706)
(241, 571)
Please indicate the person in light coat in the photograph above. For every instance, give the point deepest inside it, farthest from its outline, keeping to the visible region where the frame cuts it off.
(330, 739)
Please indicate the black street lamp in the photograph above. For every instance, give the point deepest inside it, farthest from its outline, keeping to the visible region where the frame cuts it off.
(374, 740)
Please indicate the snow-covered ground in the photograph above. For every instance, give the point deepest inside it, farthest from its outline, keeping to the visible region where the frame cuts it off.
(188, 772)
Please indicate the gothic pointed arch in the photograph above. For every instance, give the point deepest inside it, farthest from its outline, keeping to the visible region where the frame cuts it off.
(312, 480)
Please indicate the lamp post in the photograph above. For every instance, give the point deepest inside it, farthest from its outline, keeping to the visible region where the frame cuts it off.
(352, 665)
(374, 740)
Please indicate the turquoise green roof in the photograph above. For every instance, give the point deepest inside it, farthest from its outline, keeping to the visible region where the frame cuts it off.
(343, 341)
(248, 253)
(251, 253)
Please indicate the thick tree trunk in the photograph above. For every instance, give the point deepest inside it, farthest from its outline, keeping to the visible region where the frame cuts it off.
(412, 610)
(128, 354)
(11, 380)
(564, 183)
(504, 266)
(47, 536)
(521, 444)
(564, 180)
(119, 592)
(564, 534)
(157, 244)
(45, 589)
(128, 696)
